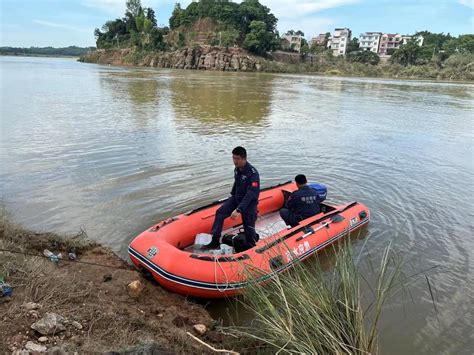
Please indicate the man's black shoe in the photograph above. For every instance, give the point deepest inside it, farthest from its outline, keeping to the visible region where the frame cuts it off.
(211, 245)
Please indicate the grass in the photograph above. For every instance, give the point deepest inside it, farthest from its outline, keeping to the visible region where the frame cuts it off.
(307, 310)
(111, 319)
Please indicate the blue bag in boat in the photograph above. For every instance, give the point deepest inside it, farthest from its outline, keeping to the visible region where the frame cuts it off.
(321, 190)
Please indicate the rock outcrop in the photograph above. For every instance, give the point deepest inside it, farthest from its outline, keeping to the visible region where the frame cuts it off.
(198, 58)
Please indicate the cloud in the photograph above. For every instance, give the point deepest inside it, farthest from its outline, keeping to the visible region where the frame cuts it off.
(295, 8)
(56, 25)
(468, 3)
(281, 8)
(117, 7)
(109, 6)
(302, 14)
(311, 25)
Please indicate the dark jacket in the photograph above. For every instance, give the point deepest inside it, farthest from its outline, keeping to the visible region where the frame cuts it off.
(304, 202)
(246, 187)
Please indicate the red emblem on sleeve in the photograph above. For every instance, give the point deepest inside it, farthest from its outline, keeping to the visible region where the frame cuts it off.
(254, 184)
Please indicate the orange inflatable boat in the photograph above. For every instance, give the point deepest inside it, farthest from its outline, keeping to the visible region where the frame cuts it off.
(167, 250)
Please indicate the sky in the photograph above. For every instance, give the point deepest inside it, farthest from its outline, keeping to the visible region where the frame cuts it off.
(61, 23)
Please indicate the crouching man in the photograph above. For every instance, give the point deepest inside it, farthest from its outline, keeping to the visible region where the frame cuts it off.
(301, 204)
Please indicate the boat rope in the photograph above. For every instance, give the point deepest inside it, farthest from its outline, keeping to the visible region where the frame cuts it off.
(66, 260)
(217, 262)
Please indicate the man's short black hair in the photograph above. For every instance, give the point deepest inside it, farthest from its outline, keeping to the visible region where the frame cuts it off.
(301, 179)
(240, 151)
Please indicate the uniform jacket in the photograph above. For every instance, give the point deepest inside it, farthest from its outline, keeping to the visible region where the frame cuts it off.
(246, 187)
(304, 202)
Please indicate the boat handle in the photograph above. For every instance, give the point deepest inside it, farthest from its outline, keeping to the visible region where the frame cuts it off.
(312, 231)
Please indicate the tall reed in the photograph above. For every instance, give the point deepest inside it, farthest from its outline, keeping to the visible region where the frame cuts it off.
(308, 310)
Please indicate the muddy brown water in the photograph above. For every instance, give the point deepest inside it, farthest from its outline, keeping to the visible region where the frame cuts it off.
(114, 150)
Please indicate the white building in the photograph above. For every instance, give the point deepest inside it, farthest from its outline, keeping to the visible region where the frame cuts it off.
(392, 41)
(419, 39)
(339, 41)
(294, 42)
(370, 41)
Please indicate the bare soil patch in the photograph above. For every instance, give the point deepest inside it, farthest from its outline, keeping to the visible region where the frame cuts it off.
(101, 313)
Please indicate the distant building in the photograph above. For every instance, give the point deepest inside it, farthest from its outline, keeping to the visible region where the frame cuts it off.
(319, 40)
(419, 39)
(389, 41)
(370, 41)
(394, 41)
(292, 42)
(339, 41)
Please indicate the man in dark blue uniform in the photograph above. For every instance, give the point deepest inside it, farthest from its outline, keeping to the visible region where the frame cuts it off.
(243, 201)
(301, 204)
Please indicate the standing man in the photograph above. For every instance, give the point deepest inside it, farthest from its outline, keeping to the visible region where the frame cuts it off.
(243, 201)
(302, 204)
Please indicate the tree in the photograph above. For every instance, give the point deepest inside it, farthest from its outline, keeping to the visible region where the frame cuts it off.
(317, 48)
(259, 40)
(304, 47)
(175, 20)
(407, 54)
(97, 34)
(390, 51)
(112, 34)
(228, 16)
(140, 21)
(134, 7)
(229, 38)
(363, 57)
(252, 10)
(353, 45)
(156, 40)
(147, 25)
(465, 44)
(436, 40)
(150, 15)
(130, 23)
(181, 39)
(294, 33)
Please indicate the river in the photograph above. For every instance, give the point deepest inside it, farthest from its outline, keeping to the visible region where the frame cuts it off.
(113, 150)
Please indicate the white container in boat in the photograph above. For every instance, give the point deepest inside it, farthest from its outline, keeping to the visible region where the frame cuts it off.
(202, 238)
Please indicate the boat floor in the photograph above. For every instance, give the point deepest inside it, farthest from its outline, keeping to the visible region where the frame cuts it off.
(266, 226)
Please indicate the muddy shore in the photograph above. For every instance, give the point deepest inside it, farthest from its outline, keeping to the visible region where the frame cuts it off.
(90, 302)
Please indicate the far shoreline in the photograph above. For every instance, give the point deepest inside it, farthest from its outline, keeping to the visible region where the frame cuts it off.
(238, 60)
(38, 55)
(285, 73)
(303, 73)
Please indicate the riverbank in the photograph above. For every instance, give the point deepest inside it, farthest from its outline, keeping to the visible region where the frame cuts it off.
(71, 51)
(96, 303)
(236, 59)
(199, 58)
(39, 55)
